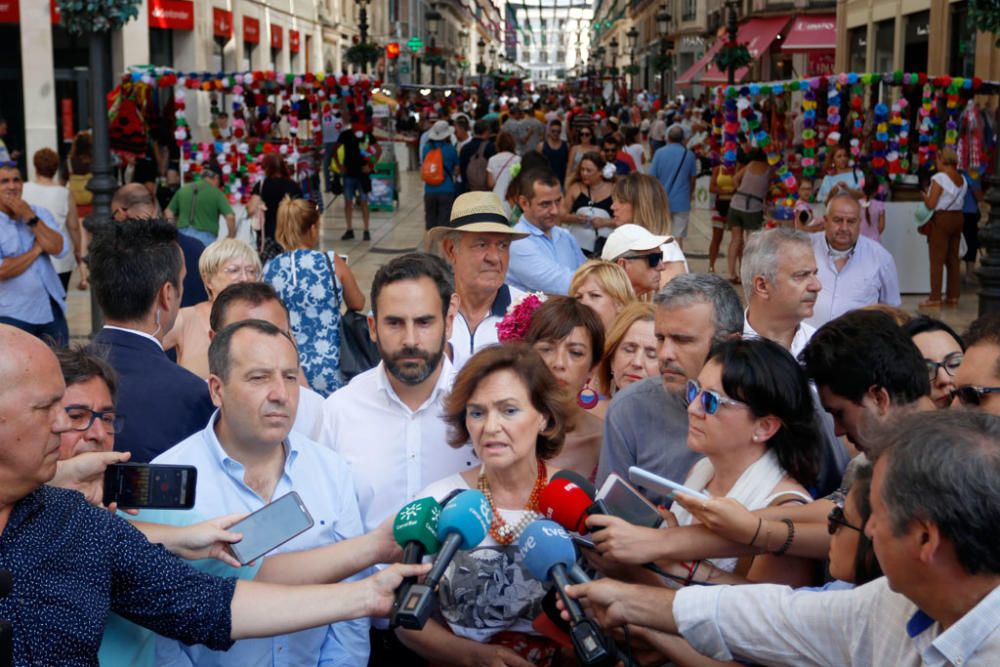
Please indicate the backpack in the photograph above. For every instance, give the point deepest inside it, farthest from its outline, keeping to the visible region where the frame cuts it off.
(432, 170)
(475, 172)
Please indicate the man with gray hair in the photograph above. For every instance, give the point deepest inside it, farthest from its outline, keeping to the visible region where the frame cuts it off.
(855, 271)
(779, 280)
(676, 168)
(647, 422)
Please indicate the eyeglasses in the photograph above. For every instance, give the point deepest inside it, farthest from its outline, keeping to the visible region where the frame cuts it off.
(654, 259)
(82, 418)
(835, 519)
(251, 272)
(710, 400)
(950, 364)
(970, 395)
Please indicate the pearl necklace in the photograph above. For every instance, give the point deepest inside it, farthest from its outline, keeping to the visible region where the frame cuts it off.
(500, 530)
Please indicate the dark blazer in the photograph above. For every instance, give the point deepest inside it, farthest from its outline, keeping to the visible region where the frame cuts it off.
(162, 402)
(194, 288)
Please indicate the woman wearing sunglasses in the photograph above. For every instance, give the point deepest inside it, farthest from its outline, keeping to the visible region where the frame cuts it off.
(751, 415)
(586, 142)
(943, 351)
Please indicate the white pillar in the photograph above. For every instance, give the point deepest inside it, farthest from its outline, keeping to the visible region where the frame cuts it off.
(38, 75)
(130, 45)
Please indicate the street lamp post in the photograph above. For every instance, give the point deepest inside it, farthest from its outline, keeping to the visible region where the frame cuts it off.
(363, 29)
(731, 29)
(480, 58)
(663, 19)
(632, 36)
(601, 53)
(433, 17)
(613, 44)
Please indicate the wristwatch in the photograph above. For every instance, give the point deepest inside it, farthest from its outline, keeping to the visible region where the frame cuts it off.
(32, 221)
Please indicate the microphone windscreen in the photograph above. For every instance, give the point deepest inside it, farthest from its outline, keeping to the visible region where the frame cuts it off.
(578, 479)
(563, 501)
(468, 515)
(418, 522)
(543, 545)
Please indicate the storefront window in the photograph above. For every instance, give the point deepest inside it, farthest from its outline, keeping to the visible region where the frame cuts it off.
(857, 44)
(962, 54)
(248, 49)
(161, 47)
(917, 44)
(885, 37)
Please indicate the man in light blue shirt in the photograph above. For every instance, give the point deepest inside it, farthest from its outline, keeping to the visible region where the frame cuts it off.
(31, 296)
(546, 260)
(675, 167)
(248, 456)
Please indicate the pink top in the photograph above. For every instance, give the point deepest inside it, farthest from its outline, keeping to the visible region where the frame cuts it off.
(869, 218)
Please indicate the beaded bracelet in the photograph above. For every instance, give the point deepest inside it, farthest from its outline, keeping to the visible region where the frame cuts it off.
(788, 541)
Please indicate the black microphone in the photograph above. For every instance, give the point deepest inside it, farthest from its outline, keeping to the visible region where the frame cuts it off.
(6, 629)
(463, 524)
(415, 529)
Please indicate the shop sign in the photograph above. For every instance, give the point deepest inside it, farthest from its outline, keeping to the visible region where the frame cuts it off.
(251, 30)
(9, 12)
(171, 14)
(821, 64)
(277, 36)
(293, 41)
(222, 23)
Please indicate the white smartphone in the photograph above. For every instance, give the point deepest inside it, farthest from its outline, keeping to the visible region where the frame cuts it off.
(270, 527)
(624, 501)
(660, 484)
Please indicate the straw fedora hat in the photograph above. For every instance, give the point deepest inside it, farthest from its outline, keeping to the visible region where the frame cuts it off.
(476, 212)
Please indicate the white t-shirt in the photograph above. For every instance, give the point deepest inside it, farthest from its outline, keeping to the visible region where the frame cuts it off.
(952, 196)
(636, 153)
(54, 198)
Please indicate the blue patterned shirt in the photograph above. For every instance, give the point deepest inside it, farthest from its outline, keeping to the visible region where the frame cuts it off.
(306, 283)
(73, 563)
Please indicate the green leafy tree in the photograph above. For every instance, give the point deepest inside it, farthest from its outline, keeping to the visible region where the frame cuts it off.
(985, 15)
(84, 16)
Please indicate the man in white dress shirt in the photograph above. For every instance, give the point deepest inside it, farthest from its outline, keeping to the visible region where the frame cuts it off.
(779, 279)
(854, 270)
(477, 245)
(387, 422)
(247, 457)
(938, 604)
(259, 301)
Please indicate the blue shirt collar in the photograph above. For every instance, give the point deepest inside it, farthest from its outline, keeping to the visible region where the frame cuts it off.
(231, 465)
(530, 228)
(918, 623)
(502, 301)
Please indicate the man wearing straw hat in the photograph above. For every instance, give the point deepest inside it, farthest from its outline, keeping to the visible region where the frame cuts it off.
(476, 242)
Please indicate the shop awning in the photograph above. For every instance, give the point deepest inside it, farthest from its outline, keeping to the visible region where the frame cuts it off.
(757, 34)
(812, 33)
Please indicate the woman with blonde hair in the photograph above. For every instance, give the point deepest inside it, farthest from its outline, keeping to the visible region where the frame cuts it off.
(604, 287)
(640, 199)
(629, 351)
(223, 263)
(313, 286)
(946, 197)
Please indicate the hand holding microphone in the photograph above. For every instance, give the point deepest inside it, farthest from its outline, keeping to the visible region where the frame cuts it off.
(415, 530)
(548, 553)
(463, 524)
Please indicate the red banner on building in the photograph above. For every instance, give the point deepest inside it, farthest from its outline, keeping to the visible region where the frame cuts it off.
(251, 30)
(277, 36)
(222, 23)
(171, 14)
(821, 64)
(293, 41)
(10, 12)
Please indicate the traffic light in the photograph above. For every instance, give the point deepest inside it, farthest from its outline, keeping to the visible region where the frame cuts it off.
(392, 50)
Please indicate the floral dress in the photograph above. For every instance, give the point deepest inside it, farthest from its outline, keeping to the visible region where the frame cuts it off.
(305, 281)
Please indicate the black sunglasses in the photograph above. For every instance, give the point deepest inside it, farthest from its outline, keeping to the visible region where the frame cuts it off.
(835, 519)
(970, 395)
(654, 259)
(950, 364)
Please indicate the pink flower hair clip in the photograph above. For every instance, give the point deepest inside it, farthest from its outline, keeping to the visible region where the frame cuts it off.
(515, 323)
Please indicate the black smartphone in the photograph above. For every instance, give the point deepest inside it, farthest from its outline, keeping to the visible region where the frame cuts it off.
(150, 486)
(270, 527)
